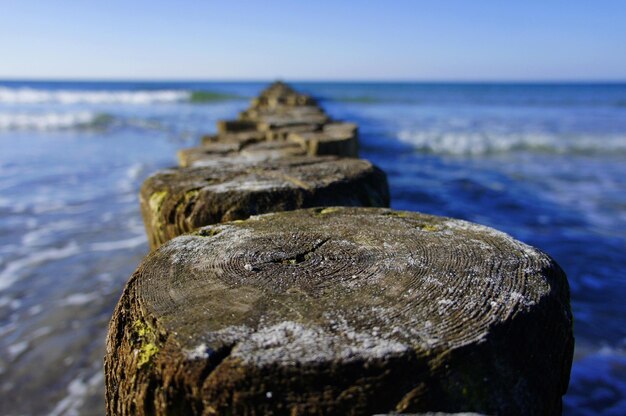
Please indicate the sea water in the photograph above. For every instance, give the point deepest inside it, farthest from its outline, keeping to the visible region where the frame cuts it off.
(545, 163)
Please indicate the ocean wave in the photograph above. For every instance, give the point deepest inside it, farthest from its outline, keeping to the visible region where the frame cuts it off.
(137, 97)
(486, 143)
(54, 121)
(41, 96)
(77, 392)
(475, 99)
(14, 270)
(45, 235)
(127, 244)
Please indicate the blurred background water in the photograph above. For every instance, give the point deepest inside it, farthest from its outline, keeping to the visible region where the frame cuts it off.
(542, 162)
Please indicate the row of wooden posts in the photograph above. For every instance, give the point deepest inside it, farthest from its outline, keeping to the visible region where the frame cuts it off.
(280, 282)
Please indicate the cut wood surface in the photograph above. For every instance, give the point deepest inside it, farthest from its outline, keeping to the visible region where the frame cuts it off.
(177, 201)
(281, 133)
(255, 113)
(243, 137)
(338, 139)
(341, 311)
(219, 153)
(282, 121)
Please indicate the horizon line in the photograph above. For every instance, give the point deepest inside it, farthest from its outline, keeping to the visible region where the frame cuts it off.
(323, 80)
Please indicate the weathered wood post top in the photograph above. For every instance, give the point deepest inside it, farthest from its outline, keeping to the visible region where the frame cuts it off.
(341, 311)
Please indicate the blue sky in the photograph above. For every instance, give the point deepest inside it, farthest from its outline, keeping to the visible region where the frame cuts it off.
(360, 40)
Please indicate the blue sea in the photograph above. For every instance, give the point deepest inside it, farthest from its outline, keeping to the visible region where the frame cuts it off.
(545, 163)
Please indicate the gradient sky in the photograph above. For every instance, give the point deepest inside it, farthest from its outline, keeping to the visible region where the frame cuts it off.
(377, 40)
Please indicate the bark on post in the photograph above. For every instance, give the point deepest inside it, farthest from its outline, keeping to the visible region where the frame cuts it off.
(341, 311)
(235, 126)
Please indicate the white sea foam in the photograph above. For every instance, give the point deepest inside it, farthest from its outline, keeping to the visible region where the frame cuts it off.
(135, 170)
(14, 270)
(77, 299)
(35, 310)
(10, 327)
(129, 182)
(77, 391)
(483, 142)
(43, 235)
(47, 121)
(41, 332)
(15, 350)
(38, 96)
(119, 244)
(5, 300)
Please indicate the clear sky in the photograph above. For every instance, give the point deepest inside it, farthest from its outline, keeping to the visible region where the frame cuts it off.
(377, 40)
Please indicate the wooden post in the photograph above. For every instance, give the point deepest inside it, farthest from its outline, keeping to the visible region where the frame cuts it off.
(177, 201)
(341, 311)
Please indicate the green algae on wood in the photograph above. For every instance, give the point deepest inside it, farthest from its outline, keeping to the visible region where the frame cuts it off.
(146, 339)
(344, 311)
(213, 193)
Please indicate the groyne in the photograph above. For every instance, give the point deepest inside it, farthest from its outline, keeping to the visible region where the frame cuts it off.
(280, 283)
